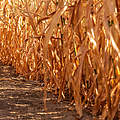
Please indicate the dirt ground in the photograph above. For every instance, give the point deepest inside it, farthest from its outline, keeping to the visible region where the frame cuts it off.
(22, 99)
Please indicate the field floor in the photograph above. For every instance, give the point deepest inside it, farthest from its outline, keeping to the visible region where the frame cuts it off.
(22, 99)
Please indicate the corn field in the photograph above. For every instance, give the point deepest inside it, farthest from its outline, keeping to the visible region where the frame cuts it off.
(73, 45)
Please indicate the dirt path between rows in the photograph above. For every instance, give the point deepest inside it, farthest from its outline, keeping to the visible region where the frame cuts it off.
(22, 99)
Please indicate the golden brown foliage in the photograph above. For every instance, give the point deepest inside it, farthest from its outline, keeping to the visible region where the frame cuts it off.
(75, 44)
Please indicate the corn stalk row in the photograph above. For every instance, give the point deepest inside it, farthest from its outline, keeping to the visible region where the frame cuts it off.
(73, 45)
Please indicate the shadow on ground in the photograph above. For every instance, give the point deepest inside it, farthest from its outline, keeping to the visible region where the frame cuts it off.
(21, 99)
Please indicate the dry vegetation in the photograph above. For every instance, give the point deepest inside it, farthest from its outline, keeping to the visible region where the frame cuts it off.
(73, 45)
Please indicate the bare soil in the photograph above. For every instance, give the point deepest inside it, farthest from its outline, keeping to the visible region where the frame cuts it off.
(22, 99)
